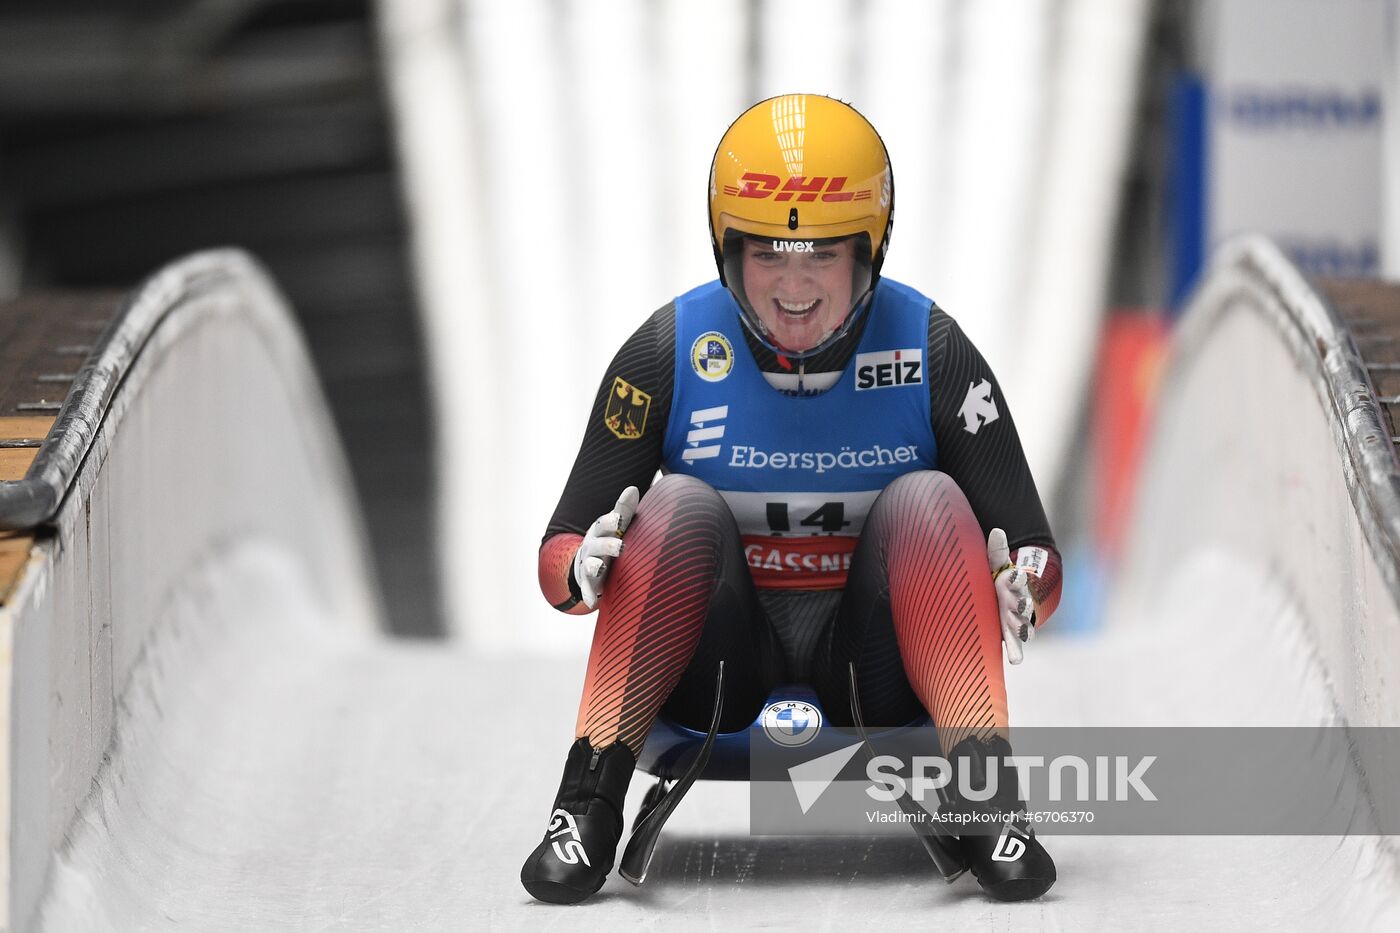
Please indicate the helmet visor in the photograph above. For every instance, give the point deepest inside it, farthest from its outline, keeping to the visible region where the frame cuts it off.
(798, 296)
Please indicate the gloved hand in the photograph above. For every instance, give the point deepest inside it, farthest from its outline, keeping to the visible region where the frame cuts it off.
(602, 543)
(1014, 603)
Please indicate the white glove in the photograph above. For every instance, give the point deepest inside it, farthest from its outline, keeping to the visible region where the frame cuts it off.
(602, 543)
(1014, 603)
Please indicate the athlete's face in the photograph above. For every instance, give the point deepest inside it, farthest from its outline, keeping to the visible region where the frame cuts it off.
(800, 296)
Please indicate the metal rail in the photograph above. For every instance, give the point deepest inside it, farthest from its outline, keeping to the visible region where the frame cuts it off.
(1324, 347)
(34, 500)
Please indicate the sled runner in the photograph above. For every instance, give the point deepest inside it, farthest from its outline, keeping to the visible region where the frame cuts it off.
(678, 756)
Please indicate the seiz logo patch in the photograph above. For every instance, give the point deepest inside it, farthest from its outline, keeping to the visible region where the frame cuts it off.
(626, 411)
(889, 368)
(570, 851)
(712, 355)
(702, 430)
(795, 187)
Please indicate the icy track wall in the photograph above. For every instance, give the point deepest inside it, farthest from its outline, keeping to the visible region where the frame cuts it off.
(210, 443)
(1271, 471)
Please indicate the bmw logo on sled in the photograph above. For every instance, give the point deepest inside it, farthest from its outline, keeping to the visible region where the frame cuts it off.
(792, 723)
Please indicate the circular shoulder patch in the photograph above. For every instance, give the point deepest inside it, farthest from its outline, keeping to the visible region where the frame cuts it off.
(712, 356)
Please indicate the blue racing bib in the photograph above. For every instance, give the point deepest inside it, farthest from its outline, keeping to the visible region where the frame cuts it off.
(800, 472)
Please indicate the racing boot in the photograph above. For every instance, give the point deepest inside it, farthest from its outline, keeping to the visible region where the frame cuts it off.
(577, 852)
(998, 842)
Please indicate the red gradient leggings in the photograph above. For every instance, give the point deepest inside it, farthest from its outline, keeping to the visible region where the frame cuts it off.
(918, 618)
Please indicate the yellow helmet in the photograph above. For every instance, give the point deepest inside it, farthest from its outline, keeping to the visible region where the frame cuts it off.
(801, 167)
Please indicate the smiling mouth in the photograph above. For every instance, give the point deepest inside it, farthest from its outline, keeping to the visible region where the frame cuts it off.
(796, 309)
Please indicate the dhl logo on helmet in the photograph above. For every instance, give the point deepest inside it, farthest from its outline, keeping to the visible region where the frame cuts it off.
(759, 185)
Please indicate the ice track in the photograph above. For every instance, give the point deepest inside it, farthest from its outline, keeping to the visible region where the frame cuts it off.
(208, 733)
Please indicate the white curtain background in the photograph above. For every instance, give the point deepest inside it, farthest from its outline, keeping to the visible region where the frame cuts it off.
(556, 155)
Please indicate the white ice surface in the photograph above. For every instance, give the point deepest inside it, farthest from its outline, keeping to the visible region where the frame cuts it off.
(275, 772)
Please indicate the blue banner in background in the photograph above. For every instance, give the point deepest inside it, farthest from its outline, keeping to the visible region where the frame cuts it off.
(1187, 185)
